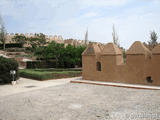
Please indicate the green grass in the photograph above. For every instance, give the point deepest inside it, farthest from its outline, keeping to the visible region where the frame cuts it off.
(57, 69)
(45, 74)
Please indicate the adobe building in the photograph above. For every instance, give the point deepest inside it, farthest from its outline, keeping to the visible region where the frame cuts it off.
(107, 64)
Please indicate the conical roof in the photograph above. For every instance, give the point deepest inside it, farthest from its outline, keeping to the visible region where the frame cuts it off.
(156, 49)
(92, 49)
(138, 48)
(111, 49)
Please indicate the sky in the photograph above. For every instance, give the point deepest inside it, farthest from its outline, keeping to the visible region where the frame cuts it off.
(133, 19)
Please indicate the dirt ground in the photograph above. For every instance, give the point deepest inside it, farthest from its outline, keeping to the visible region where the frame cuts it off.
(71, 101)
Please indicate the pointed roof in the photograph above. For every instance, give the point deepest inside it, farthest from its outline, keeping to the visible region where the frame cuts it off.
(92, 49)
(101, 46)
(156, 49)
(111, 49)
(138, 48)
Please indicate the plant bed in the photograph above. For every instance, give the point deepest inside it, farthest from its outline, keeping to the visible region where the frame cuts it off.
(46, 75)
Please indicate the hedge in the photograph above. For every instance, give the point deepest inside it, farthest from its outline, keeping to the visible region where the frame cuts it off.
(46, 75)
(36, 76)
(40, 64)
(6, 65)
(47, 64)
(11, 45)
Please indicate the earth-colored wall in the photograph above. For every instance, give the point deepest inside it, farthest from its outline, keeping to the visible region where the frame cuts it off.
(140, 64)
(50, 38)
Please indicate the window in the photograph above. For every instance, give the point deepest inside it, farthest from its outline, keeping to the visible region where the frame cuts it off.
(149, 79)
(98, 66)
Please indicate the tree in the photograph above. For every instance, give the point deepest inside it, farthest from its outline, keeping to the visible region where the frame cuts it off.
(67, 57)
(153, 40)
(54, 51)
(115, 37)
(2, 33)
(38, 41)
(39, 52)
(21, 39)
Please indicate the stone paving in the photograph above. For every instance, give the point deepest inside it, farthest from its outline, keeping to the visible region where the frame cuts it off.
(23, 84)
(71, 101)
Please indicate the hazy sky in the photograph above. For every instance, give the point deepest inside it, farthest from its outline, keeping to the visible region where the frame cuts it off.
(133, 19)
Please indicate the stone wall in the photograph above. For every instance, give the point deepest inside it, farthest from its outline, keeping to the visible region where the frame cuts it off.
(49, 38)
(106, 64)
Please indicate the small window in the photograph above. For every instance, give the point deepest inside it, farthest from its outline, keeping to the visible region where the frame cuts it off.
(98, 66)
(149, 79)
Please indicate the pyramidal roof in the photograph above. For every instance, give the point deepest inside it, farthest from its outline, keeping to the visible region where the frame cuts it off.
(101, 46)
(111, 49)
(156, 49)
(92, 49)
(138, 48)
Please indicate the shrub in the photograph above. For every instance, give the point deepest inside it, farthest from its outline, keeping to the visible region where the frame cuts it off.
(43, 74)
(5, 66)
(40, 64)
(36, 76)
(15, 49)
(11, 45)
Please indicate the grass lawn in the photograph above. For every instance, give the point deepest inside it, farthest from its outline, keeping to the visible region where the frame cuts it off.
(46, 74)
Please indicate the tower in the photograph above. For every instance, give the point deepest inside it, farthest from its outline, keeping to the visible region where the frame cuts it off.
(90, 57)
(137, 59)
(155, 66)
(111, 57)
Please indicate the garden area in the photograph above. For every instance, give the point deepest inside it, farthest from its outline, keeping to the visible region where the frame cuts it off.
(8, 65)
(50, 60)
(46, 74)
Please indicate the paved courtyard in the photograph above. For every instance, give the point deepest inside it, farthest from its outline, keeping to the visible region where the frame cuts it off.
(72, 101)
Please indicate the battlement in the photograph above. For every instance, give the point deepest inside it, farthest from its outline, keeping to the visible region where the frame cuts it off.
(49, 38)
(106, 63)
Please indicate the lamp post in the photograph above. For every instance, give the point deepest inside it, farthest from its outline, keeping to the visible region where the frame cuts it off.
(13, 73)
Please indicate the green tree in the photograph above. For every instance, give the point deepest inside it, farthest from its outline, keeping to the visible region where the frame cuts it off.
(69, 56)
(39, 52)
(54, 51)
(153, 40)
(79, 52)
(2, 33)
(21, 39)
(64, 56)
(38, 40)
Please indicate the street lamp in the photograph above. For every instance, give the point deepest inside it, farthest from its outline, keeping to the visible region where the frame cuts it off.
(13, 73)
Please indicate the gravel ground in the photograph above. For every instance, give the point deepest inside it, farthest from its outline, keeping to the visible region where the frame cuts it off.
(81, 102)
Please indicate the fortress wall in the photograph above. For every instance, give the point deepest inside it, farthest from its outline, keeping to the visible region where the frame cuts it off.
(49, 38)
(138, 67)
(89, 67)
(155, 69)
(108, 71)
(135, 67)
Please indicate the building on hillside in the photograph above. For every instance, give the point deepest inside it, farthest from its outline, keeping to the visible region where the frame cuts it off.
(106, 64)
